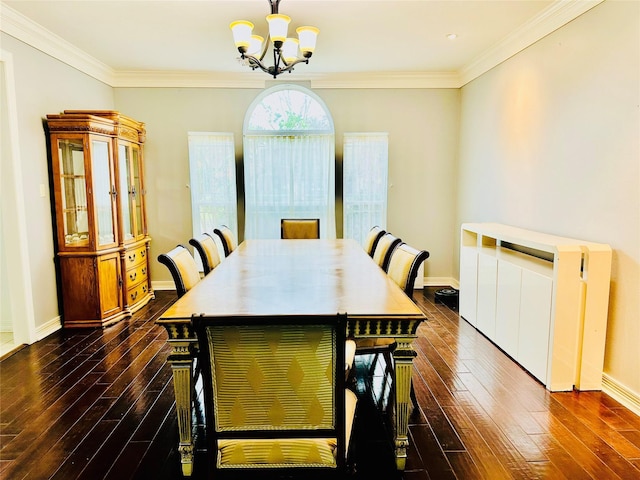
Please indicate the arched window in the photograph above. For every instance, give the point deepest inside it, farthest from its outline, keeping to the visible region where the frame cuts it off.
(289, 161)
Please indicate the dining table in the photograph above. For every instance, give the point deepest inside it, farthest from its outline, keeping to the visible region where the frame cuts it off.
(296, 277)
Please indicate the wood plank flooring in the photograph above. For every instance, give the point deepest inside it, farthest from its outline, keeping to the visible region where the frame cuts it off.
(98, 404)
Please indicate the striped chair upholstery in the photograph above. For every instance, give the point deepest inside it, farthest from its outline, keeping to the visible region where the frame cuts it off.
(227, 238)
(183, 268)
(206, 247)
(384, 249)
(372, 239)
(300, 228)
(275, 395)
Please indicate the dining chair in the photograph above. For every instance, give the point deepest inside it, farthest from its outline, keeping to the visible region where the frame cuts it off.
(384, 248)
(227, 238)
(299, 228)
(206, 247)
(275, 394)
(372, 239)
(404, 265)
(183, 268)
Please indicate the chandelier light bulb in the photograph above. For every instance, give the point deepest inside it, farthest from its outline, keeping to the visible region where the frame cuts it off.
(255, 45)
(241, 34)
(290, 50)
(307, 36)
(278, 26)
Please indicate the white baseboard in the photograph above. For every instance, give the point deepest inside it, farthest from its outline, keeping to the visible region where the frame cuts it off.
(440, 282)
(48, 328)
(163, 285)
(621, 393)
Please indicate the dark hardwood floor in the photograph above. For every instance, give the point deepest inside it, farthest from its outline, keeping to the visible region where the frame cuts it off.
(96, 404)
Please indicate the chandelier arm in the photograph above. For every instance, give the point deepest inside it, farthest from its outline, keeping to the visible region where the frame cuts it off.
(256, 63)
(289, 66)
(265, 47)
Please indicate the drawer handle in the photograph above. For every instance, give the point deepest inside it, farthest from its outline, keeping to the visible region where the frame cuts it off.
(144, 289)
(133, 276)
(134, 296)
(142, 253)
(132, 257)
(144, 270)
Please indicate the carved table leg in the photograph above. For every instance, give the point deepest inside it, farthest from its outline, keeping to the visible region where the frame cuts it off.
(181, 362)
(403, 360)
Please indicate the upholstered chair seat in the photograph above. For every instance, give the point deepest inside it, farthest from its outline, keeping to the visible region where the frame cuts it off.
(307, 452)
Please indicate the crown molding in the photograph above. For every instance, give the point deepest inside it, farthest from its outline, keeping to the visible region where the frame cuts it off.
(24, 29)
(550, 19)
(555, 16)
(246, 79)
(387, 80)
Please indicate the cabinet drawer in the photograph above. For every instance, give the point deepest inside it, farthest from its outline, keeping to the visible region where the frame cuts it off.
(137, 293)
(136, 274)
(135, 256)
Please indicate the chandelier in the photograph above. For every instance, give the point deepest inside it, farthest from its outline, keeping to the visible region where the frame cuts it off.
(253, 48)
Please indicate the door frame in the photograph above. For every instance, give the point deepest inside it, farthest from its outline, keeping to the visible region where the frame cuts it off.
(14, 219)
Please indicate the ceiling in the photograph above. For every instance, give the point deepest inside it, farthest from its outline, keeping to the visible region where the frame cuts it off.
(140, 42)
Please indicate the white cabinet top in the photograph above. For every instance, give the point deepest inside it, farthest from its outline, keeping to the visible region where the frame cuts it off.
(528, 238)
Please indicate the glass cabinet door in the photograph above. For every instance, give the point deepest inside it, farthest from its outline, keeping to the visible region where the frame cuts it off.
(125, 192)
(73, 188)
(103, 192)
(129, 167)
(137, 191)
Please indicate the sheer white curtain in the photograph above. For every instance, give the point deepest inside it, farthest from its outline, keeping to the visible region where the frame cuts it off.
(288, 176)
(212, 169)
(365, 178)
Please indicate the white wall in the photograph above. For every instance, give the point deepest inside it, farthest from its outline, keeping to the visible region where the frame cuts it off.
(423, 141)
(550, 142)
(44, 85)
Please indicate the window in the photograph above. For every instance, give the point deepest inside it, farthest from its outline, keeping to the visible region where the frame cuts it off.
(365, 173)
(212, 170)
(289, 161)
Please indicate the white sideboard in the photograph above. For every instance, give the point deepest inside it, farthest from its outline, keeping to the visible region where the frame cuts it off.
(542, 299)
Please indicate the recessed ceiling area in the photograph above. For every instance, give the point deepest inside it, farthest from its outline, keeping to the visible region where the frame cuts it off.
(142, 39)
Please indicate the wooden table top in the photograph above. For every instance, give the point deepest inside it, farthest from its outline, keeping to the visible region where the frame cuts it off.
(295, 277)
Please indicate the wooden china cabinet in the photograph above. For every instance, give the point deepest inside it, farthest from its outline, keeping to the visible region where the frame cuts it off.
(102, 244)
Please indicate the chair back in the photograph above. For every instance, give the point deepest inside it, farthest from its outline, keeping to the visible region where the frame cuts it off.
(300, 228)
(384, 249)
(404, 264)
(274, 390)
(206, 247)
(183, 268)
(227, 238)
(372, 239)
